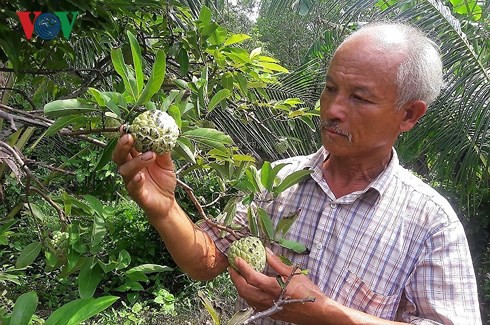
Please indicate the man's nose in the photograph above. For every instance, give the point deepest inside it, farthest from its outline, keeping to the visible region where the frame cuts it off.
(334, 108)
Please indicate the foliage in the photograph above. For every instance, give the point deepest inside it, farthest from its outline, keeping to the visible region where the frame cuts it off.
(183, 63)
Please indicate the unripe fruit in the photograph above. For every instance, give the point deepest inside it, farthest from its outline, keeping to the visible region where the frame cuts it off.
(153, 131)
(251, 250)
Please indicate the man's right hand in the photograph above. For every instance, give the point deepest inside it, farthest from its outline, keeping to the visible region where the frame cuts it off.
(149, 178)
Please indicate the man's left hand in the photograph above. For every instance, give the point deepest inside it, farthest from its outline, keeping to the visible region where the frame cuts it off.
(261, 291)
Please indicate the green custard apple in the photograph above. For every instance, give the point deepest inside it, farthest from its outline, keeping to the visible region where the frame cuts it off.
(155, 131)
(251, 250)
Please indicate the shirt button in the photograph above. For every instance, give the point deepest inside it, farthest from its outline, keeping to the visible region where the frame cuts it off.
(333, 205)
(319, 246)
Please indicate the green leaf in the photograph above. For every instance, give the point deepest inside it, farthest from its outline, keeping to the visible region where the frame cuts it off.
(218, 36)
(209, 29)
(122, 70)
(265, 223)
(36, 212)
(290, 180)
(7, 225)
(106, 156)
(174, 112)
(236, 38)
(95, 204)
(293, 245)
(252, 222)
(183, 149)
(63, 122)
(265, 176)
(150, 268)
(286, 222)
(89, 278)
(124, 259)
(230, 212)
(242, 84)
(28, 255)
(254, 178)
(107, 267)
(273, 67)
(137, 63)
(79, 310)
(227, 80)
(209, 307)
(183, 60)
(218, 98)
(98, 96)
(204, 16)
(210, 137)
(24, 308)
(64, 107)
(98, 233)
(136, 276)
(156, 78)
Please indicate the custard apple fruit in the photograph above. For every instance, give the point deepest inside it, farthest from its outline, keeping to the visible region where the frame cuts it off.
(154, 131)
(251, 250)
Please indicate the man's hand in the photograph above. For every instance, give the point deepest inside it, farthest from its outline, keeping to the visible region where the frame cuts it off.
(150, 179)
(260, 291)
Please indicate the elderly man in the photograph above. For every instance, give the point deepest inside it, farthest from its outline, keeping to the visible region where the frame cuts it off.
(384, 246)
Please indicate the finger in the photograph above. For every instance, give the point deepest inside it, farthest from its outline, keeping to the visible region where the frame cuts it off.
(236, 277)
(135, 185)
(277, 265)
(165, 161)
(132, 167)
(122, 151)
(254, 278)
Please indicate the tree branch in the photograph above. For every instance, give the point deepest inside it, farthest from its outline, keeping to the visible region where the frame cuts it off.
(23, 93)
(21, 164)
(201, 212)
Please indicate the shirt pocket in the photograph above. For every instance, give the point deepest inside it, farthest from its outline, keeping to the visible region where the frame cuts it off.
(353, 292)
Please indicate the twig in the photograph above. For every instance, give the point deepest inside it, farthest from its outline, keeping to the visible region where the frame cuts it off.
(60, 212)
(91, 131)
(56, 169)
(9, 118)
(45, 123)
(23, 93)
(33, 114)
(19, 160)
(184, 167)
(201, 212)
(276, 307)
(220, 196)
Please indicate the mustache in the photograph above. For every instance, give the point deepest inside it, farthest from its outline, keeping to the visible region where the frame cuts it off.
(335, 127)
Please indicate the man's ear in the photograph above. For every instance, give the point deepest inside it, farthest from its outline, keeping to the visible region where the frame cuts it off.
(412, 111)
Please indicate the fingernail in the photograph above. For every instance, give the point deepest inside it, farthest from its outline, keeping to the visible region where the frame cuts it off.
(269, 250)
(147, 155)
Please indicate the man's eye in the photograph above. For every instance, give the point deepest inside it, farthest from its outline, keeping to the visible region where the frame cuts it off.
(360, 99)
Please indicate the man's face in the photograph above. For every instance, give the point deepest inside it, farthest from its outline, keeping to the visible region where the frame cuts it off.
(357, 105)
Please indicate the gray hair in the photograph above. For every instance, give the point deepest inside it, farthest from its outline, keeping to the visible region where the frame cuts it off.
(420, 75)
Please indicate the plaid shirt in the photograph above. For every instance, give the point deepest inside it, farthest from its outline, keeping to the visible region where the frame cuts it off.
(395, 250)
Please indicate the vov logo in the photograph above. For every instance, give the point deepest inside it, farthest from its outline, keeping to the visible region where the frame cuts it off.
(47, 25)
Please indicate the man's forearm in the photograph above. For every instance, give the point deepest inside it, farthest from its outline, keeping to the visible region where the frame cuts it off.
(330, 312)
(190, 247)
